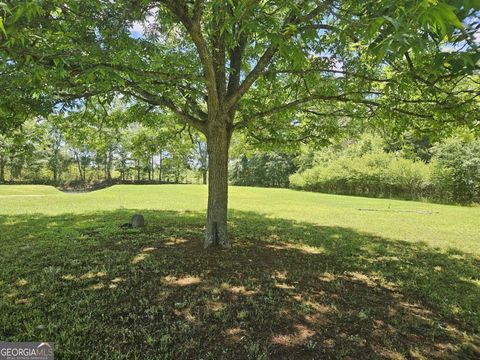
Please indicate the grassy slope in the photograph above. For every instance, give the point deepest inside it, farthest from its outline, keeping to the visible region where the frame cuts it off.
(27, 190)
(310, 276)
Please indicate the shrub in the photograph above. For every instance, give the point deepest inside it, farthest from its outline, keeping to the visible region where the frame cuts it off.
(452, 176)
(376, 174)
(456, 170)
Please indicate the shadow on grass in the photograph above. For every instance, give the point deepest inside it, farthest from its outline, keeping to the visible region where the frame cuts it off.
(287, 290)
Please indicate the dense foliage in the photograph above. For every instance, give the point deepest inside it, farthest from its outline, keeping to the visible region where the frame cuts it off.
(456, 172)
(365, 168)
(375, 174)
(267, 169)
(53, 151)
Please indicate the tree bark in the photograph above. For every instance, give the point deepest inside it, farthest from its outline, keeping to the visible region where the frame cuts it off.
(79, 166)
(149, 170)
(108, 166)
(55, 166)
(2, 169)
(152, 167)
(160, 167)
(84, 172)
(218, 142)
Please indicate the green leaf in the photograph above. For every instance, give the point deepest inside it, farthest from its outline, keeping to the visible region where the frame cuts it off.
(2, 27)
(447, 12)
(392, 21)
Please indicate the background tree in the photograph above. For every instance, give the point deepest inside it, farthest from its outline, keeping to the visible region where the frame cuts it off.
(54, 148)
(20, 150)
(267, 169)
(199, 158)
(78, 138)
(457, 168)
(146, 146)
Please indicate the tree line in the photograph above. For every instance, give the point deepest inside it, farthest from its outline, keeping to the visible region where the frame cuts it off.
(102, 150)
(52, 151)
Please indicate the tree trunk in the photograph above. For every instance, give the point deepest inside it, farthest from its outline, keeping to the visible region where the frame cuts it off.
(204, 175)
(2, 169)
(106, 170)
(160, 168)
(79, 166)
(108, 167)
(217, 145)
(84, 172)
(152, 166)
(55, 166)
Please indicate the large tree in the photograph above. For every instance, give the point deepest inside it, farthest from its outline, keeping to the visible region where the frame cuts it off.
(280, 69)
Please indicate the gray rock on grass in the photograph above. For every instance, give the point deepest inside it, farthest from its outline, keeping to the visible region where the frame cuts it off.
(137, 221)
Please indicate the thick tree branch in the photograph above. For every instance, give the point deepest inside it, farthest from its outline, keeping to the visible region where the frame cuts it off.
(236, 54)
(346, 98)
(169, 76)
(236, 58)
(197, 10)
(265, 59)
(193, 27)
(218, 46)
(140, 93)
(268, 55)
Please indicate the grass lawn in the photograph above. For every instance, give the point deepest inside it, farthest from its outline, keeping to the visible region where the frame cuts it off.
(310, 276)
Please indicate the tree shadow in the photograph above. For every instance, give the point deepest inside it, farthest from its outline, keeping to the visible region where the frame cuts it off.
(287, 290)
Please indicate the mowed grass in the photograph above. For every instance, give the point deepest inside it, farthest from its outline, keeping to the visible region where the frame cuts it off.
(442, 226)
(27, 190)
(310, 276)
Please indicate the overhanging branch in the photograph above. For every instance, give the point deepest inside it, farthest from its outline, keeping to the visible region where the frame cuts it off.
(268, 55)
(159, 100)
(346, 98)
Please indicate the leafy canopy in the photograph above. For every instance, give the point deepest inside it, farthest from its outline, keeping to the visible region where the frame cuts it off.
(284, 70)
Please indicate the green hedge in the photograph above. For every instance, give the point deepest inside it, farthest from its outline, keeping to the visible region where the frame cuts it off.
(452, 176)
(376, 174)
